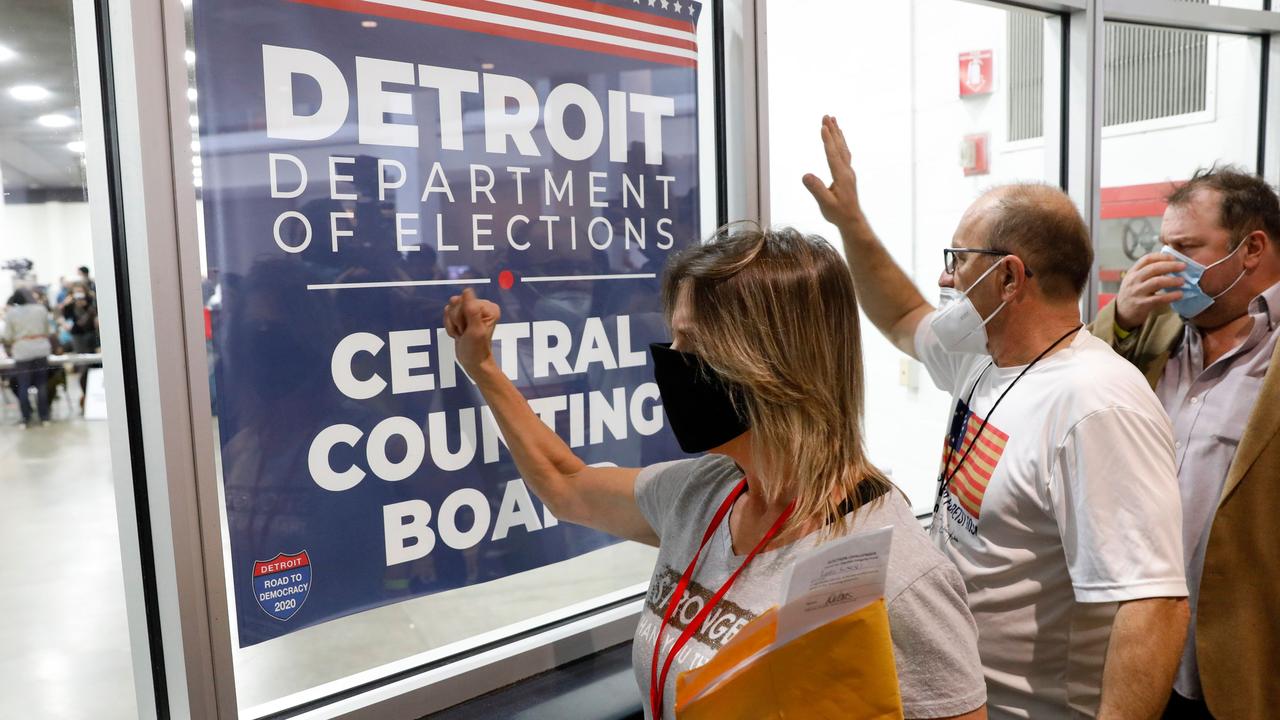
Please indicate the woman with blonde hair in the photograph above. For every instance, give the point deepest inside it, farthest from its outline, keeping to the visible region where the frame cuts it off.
(764, 375)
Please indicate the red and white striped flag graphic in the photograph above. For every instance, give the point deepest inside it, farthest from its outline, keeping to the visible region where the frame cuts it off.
(968, 485)
(660, 31)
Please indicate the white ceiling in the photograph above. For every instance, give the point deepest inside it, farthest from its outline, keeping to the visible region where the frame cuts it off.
(33, 157)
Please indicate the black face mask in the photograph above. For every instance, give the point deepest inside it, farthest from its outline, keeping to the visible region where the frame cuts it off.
(698, 402)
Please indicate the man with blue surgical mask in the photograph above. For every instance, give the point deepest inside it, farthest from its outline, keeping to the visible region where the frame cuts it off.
(1201, 318)
(1057, 498)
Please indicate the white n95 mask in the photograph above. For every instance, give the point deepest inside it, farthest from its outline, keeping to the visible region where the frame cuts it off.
(957, 323)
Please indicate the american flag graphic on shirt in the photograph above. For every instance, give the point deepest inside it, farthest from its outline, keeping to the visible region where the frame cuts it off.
(968, 483)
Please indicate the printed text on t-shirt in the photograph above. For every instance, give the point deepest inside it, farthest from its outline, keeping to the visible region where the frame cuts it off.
(725, 620)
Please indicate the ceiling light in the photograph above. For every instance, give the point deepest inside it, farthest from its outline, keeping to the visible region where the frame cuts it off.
(195, 146)
(55, 121)
(197, 172)
(369, 23)
(191, 57)
(76, 146)
(28, 93)
(194, 122)
(6, 54)
(195, 161)
(191, 94)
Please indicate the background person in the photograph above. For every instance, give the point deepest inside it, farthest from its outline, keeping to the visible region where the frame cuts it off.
(80, 311)
(1209, 348)
(80, 315)
(26, 333)
(64, 289)
(86, 279)
(1058, 500)
(765, 375)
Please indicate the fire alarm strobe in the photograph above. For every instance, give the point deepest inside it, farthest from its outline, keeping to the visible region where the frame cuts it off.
(974, 154)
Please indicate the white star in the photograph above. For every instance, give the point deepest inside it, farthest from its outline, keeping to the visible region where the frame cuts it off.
(679, 7)
(652, 3)
(690, 8)
(664, 4)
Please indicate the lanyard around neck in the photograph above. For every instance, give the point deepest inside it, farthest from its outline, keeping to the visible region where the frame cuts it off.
(658, 680)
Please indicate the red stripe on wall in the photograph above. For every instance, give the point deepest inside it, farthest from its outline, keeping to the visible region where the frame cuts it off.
(1129, 201)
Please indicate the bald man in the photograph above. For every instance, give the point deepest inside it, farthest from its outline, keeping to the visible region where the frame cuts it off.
(1057, 495)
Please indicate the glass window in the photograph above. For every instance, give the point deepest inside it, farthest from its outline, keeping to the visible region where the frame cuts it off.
(62, 611)
(355, 170)
(939, 99)
(1174, 101)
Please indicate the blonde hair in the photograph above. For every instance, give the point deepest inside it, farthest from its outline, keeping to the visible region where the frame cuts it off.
(774, 312)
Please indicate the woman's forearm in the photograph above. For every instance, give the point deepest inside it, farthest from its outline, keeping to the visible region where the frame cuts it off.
(545, 461)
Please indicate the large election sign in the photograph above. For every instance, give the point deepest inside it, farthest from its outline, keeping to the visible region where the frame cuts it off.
(361, 162)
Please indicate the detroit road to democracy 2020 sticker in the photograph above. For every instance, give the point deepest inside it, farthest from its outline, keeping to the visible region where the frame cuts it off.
(282, 583)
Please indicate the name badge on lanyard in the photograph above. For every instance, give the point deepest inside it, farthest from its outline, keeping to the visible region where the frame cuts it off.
(959, 423)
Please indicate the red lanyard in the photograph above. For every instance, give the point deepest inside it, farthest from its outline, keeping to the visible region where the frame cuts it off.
(658, 681)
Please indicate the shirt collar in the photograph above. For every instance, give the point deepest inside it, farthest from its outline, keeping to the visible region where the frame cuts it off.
(1263, 308)
(1267, 305)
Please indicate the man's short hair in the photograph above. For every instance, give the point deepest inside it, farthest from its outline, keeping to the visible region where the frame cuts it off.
(84, 269)
(1248, 203)
(1041, 225)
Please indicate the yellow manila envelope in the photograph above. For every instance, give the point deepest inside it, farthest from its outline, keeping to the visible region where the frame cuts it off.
(825, 653)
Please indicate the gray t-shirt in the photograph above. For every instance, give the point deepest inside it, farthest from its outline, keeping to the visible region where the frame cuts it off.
(27, 328)
(935, 641)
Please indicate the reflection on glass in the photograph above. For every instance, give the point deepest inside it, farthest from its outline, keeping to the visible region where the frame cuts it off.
(1175, 101)
(940, 100)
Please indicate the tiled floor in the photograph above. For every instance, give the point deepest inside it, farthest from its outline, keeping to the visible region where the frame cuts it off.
(64, 645)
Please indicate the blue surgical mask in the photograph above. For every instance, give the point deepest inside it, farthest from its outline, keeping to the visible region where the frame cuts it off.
(1194, 300)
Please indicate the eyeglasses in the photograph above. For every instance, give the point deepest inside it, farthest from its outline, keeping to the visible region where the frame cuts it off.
(949, 258)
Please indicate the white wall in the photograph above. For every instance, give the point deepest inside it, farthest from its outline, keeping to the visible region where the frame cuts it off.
(891, 77)
(55, 236)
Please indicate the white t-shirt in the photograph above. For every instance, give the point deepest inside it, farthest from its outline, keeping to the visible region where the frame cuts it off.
(1067, 505)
